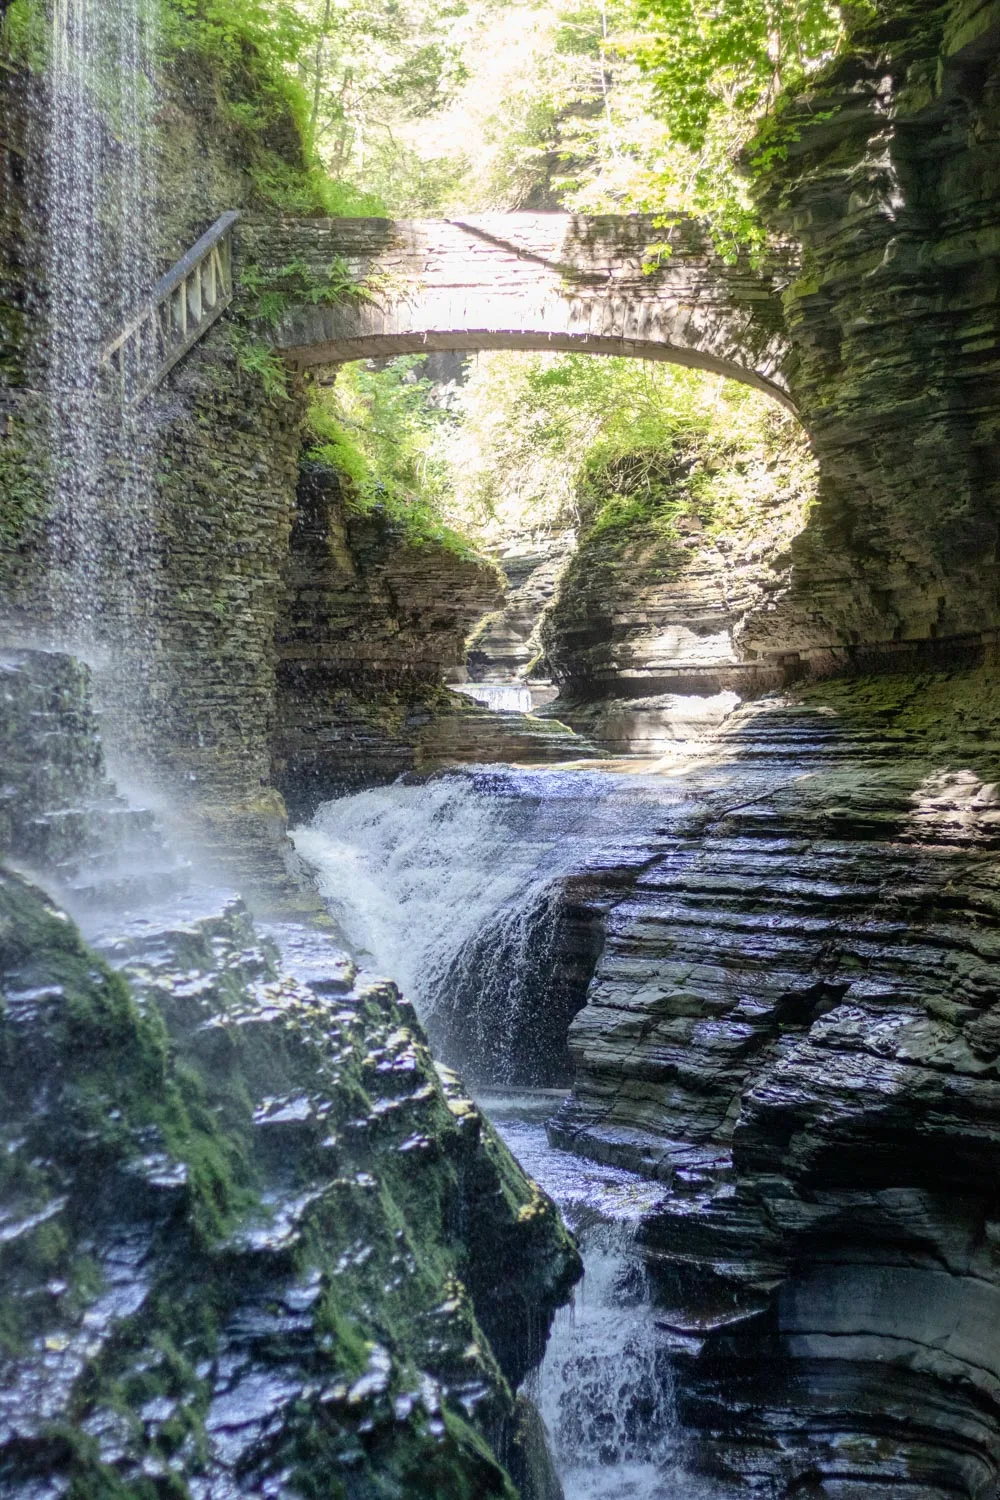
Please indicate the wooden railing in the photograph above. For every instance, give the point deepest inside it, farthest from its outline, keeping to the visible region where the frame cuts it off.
(181, 309)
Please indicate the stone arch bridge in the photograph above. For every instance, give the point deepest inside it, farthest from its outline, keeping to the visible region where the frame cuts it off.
(531, 281)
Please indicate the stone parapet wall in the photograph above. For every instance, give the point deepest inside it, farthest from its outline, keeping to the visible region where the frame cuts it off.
(531, 281)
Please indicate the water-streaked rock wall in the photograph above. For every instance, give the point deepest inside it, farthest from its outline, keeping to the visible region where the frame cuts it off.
(251, 1239)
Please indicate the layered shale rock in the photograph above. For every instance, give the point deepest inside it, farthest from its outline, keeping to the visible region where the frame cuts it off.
(506, 644)
(884, 179)
(251, 1241)
(59, 811)
(886, 176)
(371, 623)
(792, 1027)
(674, 556)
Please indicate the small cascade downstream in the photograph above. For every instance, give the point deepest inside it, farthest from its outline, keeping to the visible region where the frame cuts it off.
(499, 697)
(604, 1387)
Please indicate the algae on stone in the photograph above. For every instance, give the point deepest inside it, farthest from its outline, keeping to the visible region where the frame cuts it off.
(247, 1237)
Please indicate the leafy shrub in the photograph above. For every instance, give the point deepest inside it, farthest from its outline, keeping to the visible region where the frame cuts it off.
(378, 428)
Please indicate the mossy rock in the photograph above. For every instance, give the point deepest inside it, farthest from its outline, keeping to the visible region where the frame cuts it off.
(249, 1237)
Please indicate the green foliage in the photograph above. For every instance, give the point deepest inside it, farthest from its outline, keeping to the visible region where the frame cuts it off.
(718, 69)
(232, 31)
(254, 52)
(553, 441)
(737, 54)
(259, 359)
(371, 70)
(273, 290)
(24, 34)
(591, 105)
(377, 427)
(310, 191)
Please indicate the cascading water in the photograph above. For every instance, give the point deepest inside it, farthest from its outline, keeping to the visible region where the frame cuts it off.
(499, 697)
(605, 1385)
(605, 1389)
(100, 263)
(458, 880)
(453, 886)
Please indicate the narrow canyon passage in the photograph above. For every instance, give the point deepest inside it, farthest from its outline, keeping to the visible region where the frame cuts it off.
(724, 957)
(499, 750)
(454, 887)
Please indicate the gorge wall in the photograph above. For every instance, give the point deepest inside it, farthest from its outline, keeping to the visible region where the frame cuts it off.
(883, 178)
(887, 177)
(644, 636)
(791, 1024)
(244, 646)
(792, 1027)
(250, 1235)
(371, 623)
(184, 591)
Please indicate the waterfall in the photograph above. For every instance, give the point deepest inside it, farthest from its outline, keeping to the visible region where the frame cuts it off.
(414, 872)
(498, 697)
(455, 889)
(605, 1388)
(99, 264)
(490, 1005)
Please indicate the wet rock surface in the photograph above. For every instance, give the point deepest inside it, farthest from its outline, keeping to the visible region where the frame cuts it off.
(792, 1028)
(656, 609)
(887, 178)
(506, 644)
(59, 810)
(370, 625)
(250, 1236)
(252, 1241)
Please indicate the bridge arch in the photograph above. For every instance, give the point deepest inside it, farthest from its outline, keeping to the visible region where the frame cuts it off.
(550, 281)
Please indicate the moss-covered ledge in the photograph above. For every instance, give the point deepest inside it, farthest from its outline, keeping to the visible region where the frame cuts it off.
(248, 1242)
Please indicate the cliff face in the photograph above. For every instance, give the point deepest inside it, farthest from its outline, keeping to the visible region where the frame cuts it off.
(651, 609)
(370, 625)
(507, 643)
(252, 1239)
(227, 576)
(792, 1026)
(792, 1022)
(887, 177)
(182, 585)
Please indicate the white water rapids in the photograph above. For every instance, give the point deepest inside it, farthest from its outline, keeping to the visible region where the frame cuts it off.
(605, 1385)
(499, 697)
(414, 874)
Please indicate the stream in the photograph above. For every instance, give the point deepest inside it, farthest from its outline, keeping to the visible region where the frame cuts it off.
(604, 1387)
(431, 881)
